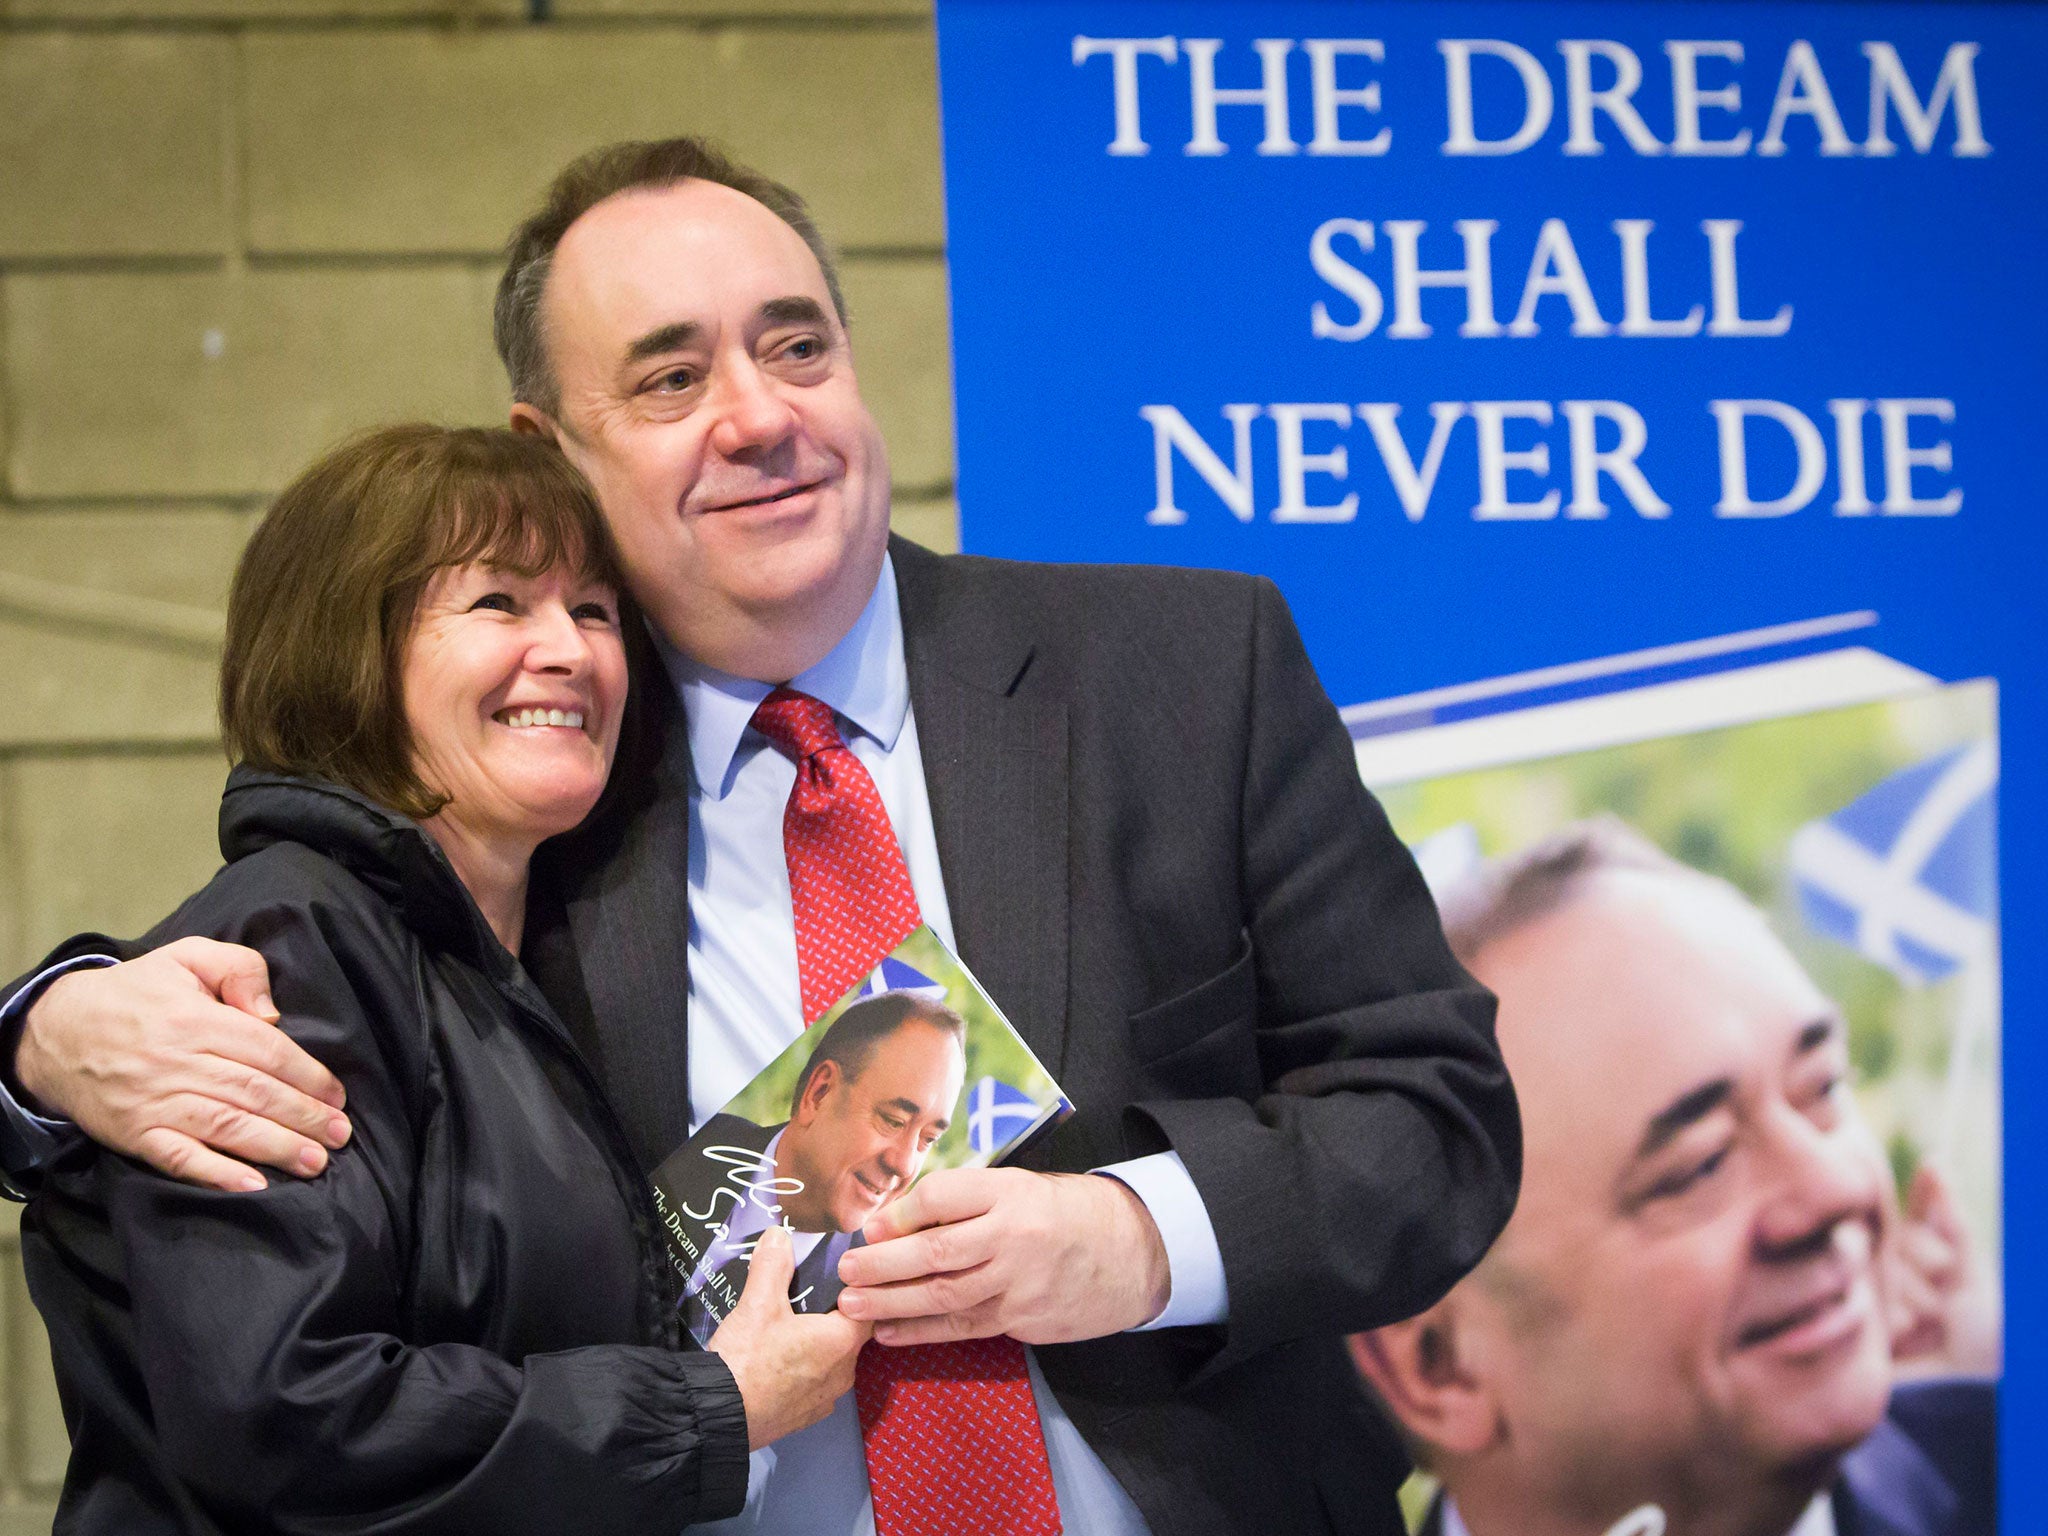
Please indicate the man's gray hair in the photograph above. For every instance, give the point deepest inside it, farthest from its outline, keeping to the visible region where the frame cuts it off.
(1508, 894)
(852, 1037)
(582, 185)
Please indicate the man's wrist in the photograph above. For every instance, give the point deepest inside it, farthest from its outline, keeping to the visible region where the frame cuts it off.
(1197, 1292)
(14, 1019)
(1144, 1255)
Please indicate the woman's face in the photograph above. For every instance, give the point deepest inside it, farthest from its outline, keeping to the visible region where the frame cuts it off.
(513, 687)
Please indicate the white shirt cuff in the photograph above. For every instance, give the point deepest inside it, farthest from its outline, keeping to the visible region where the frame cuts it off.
(37, 1130)
(1196, 1290)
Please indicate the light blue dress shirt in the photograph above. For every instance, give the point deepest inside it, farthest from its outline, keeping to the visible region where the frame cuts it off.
(745, 1008)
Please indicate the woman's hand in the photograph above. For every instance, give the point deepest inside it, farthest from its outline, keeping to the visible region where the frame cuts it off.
(791, 1366)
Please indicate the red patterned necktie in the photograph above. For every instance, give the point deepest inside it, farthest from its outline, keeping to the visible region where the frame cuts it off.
(952, 1435)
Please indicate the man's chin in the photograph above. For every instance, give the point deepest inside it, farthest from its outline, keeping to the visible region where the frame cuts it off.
(855, 1213)
(1822, 1420)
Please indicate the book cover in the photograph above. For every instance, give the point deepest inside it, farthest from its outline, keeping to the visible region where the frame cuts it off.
(913, 1070)
(1864, 829)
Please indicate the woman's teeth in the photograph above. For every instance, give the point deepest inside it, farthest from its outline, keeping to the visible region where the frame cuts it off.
(518, 719)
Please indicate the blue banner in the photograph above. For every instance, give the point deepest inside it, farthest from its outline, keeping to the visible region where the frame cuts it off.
(1542, 354)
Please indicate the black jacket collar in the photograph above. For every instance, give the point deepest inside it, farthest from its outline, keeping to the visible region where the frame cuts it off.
(390, 853)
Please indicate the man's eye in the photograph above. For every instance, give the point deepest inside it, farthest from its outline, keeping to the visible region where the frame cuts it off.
(1829, 1096)
(804, 347)
(1687, 1178)
(673, 382)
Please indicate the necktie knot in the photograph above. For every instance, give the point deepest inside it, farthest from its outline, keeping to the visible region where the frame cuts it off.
(799, 726)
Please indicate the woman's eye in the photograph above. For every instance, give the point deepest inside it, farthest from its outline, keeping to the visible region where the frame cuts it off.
(591, 613)
(496, 602)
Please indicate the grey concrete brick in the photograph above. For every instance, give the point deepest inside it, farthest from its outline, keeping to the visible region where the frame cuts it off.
(12, 947)
(30, 1518)
(175, 554)
(746, 9)
(212, 384)
(933, 522)
(112, 843)
(107, 616)
(438, 141)
(900, 347)
(112, 144)
(44, 1445)
(76, 687)
(159, 11)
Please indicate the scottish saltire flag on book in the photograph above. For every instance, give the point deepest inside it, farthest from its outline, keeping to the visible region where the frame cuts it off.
(998, 1114)
(1907, 873)
(894, 975)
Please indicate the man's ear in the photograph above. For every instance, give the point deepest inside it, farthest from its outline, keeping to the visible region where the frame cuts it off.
(816, 1090)
(533, 421)
(1424, 1372)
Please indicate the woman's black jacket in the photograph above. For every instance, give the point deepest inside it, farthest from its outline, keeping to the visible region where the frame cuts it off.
(459, 1326)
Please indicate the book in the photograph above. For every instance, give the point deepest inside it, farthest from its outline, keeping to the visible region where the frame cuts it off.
(914, 1069)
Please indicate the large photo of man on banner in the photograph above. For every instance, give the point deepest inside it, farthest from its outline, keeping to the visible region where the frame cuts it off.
(1751, 1283)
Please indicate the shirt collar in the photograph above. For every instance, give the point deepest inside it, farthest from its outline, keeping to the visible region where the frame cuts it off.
(863, 678)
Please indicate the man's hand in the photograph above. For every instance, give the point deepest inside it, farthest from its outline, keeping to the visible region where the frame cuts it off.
(973, 1252)
(791, 1367)
(176, 1058)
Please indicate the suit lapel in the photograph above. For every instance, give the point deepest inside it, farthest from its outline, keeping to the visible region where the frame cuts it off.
(992, 731)
(625, 885)
(1889, 1486)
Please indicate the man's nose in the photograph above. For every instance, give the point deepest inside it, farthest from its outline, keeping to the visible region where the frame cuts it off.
(1822, 1176)
(751, 412)
(899, 1155)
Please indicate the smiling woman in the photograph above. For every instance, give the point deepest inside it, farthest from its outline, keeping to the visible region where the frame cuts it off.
(458, 1325)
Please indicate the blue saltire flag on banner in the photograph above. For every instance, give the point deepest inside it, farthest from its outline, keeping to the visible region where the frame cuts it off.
(892, 975)
(1907, 873)
(996, 1112)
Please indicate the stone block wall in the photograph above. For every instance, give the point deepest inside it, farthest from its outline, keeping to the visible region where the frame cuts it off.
(234, 231)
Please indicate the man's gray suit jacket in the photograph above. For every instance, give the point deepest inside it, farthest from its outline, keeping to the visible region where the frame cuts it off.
(1160, 861)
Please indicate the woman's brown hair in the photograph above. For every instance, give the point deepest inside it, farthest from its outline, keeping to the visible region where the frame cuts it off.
(325, 595)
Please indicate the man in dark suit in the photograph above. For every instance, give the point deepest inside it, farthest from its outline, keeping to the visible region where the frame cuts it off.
(1685, 1325)
(1124, 792)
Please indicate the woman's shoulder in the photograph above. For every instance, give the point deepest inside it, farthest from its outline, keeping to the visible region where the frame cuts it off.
(281, 888)
(343, 963)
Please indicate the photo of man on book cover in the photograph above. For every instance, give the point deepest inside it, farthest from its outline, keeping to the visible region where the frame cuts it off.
(843, 1122)
(878, 1092)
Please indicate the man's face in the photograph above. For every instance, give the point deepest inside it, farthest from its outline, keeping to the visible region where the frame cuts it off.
(708, 394)
(1687, 1292)
(857, 1141)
